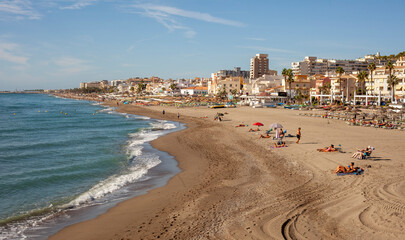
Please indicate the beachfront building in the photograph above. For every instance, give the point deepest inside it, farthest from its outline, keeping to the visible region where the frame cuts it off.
(259, 65)
(86, 85)
(263, 83)
(230, 84)
(380, 82)
(313, 65)
(194, 91)
(301, 83)
(345, 84)
(212, 83)
(320, 81)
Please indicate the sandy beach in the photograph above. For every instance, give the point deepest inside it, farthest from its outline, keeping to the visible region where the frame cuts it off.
(235, 186)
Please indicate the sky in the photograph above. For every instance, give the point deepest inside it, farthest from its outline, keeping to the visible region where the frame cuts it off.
(56, 44)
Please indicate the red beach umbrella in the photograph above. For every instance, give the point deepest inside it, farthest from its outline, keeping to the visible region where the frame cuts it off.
(258, 124)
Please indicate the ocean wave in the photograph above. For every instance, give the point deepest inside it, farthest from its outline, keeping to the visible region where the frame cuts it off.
(116, 182)
(162, 124)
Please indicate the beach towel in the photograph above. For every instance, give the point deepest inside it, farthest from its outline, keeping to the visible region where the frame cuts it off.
(278, 147)
(352, 173)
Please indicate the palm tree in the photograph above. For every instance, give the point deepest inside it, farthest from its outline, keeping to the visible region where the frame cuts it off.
(390, 66)
(371, 67)
(285, 73)
(139, 88)
(393, 81)
(361, 77)
(339, 72)
(290, 80)
(326, 88)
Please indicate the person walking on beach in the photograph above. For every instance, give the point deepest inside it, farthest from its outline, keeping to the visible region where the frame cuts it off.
(298, 135)
(163, 112)
(178, 115)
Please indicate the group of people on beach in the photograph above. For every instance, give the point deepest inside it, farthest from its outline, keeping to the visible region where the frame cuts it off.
(280, 134)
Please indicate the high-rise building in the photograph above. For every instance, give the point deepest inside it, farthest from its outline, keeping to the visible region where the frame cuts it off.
(259, 65)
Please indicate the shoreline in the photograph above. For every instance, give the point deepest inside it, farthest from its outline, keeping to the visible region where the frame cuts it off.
(234, 187)
(61, 216)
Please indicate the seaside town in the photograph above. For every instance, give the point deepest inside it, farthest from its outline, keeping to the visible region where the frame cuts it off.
(372, 79)
(245, 153)
(230, 120)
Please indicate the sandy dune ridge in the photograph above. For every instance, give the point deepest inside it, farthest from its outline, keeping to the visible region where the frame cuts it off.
(235, 186)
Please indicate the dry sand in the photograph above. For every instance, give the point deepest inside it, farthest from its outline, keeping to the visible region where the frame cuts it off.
(234, 186)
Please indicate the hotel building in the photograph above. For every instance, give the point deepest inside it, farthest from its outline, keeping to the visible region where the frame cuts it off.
(259, 65)
(313, 65)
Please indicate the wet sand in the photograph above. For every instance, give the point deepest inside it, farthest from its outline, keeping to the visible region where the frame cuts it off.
(235, 186)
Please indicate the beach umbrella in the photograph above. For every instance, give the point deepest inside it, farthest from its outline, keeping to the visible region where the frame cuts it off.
(276, 125)
(258, 124)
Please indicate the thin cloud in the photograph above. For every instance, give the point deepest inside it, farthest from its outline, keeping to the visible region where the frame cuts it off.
(256, 39)
(9, 53)
(71, 65)
(266, 49)
(166, 10)
(19, 9)
(79, 4)
(166, 16)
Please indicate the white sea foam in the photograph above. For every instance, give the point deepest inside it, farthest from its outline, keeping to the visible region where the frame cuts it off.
(108, 110)
(140, 164)
(116, 182)
(163, 125)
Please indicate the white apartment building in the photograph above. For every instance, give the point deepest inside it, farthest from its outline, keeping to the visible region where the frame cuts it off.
(313, 65)
(259, 85)
(115, 83)
(194, 91)
(380, 81)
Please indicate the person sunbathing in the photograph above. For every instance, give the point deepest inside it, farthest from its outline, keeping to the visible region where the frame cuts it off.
(279, 145)
(348, 169)
(251, 130)
(331, 148)
(363, 153)
(241, 125)
(264, 136)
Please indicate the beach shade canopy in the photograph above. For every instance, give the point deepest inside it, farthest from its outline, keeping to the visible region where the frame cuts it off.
(258, 124)
(276, 125)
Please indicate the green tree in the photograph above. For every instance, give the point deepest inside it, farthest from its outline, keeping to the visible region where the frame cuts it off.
(163, 89)
(326, 88)
(339, 71)
(299, 96)
(390, 67)
(290, 79)
(234, 91)
(361, 77)
(132, 89)
(173, 86)
(222, 93)
(393, 81)
(371, 67)
(285, 74)
(139, 88)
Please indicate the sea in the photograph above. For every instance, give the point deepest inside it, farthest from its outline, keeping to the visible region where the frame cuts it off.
(63, 161)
